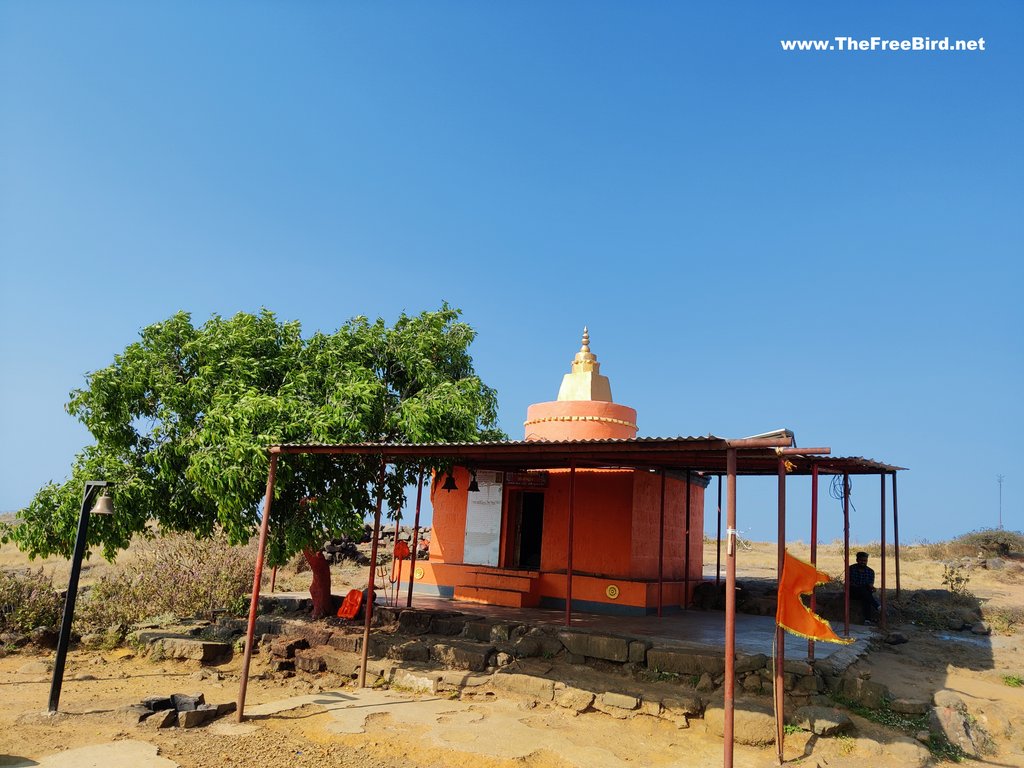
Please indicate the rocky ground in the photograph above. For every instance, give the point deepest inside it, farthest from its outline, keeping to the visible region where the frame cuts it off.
(455, 690)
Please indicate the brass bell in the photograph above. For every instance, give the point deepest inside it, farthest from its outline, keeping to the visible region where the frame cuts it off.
(104, 506)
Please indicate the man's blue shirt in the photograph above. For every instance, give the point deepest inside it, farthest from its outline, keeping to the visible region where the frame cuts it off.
(861, 576)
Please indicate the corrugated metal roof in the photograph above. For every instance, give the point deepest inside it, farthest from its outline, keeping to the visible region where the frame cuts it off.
(491, 443)
(698, 454)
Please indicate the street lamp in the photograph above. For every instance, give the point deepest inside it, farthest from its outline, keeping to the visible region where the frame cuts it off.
(104, 506)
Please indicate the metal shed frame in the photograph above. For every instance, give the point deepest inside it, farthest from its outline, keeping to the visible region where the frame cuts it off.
(773, 453)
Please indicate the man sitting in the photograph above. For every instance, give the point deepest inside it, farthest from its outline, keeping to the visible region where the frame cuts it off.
(862, 587)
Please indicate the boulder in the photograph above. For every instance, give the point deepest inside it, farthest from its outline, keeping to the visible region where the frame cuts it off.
(413, 650)
(596, 646)
(706, 683)
(461, 655)
(864, 692)
(187, 702)
(203, 714)
(620, 700)
(751, 663)
(164, 718)
(690, 706)
(414, 622)
(527, 647)
(157, 703)
(190, 648)
(824, 721)
(946, 698)
(133, 714)
(448, 624)
(44, 637)
(960, 730)
(575, 699)
(752, 724)
(539, 688)
(420, 682)
(286, 647)
(684, 662)
(909, 706)
(638, 651)
(347, 643)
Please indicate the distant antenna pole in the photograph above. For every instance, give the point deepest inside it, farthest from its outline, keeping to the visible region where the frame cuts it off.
(999, 479)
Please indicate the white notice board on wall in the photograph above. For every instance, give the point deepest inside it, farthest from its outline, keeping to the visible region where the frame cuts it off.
(483, 520)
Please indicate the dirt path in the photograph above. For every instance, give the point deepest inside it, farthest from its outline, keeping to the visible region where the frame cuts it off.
(413, 731)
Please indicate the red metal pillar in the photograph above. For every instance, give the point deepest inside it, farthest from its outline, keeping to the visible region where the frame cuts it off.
(846, 552)
(686, 554)
(371, 586)
(718, 550)
(780, 637)
(568, 558)
(882, 622)
(661, 547)
(896, 533)
(256, 578)
(415, 539)
(729, 704)
(814, 543)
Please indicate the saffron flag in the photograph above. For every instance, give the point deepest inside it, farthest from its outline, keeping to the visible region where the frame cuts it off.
(800, 578)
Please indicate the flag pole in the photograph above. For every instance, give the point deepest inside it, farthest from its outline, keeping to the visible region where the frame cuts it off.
(779, 653)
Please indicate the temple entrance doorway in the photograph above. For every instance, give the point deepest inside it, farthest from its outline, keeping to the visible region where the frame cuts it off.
(529, 511)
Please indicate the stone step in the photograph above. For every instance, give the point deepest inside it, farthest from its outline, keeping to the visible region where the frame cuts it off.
(499, 580)
(492, 596)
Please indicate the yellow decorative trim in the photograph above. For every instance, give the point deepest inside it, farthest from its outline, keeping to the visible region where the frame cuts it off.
(418, 573)
(612, 591)
(604, 419)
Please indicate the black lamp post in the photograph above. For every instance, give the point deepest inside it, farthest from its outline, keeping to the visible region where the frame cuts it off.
(103, 507)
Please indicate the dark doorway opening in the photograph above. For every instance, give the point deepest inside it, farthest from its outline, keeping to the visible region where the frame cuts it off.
(529, 530)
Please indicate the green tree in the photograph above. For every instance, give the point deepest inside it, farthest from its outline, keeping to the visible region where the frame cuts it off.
(182, 419)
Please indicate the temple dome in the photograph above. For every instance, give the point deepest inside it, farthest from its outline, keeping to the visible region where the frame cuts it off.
(584, 409)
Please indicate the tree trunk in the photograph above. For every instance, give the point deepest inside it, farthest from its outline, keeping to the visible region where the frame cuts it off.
(320, 589)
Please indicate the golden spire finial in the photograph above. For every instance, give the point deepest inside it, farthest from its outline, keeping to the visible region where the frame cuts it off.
(584, 381)
(585, 360)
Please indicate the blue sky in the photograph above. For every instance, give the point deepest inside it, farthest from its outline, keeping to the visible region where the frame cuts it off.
(829, 242)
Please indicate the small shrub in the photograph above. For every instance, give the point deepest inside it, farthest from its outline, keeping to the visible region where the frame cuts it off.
(955, 578)
(846, 743)
(28, 600)
(1004, 620)
(176, 574)
(942, 749)
(1014, 681)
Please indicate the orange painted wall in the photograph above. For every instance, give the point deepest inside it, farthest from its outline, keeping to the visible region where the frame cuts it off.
(615, 537)
(602, 537)
(579, 420)
(448, 529)
(646, 520)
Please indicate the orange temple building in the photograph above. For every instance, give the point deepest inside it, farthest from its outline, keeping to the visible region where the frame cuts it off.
(638, 533)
